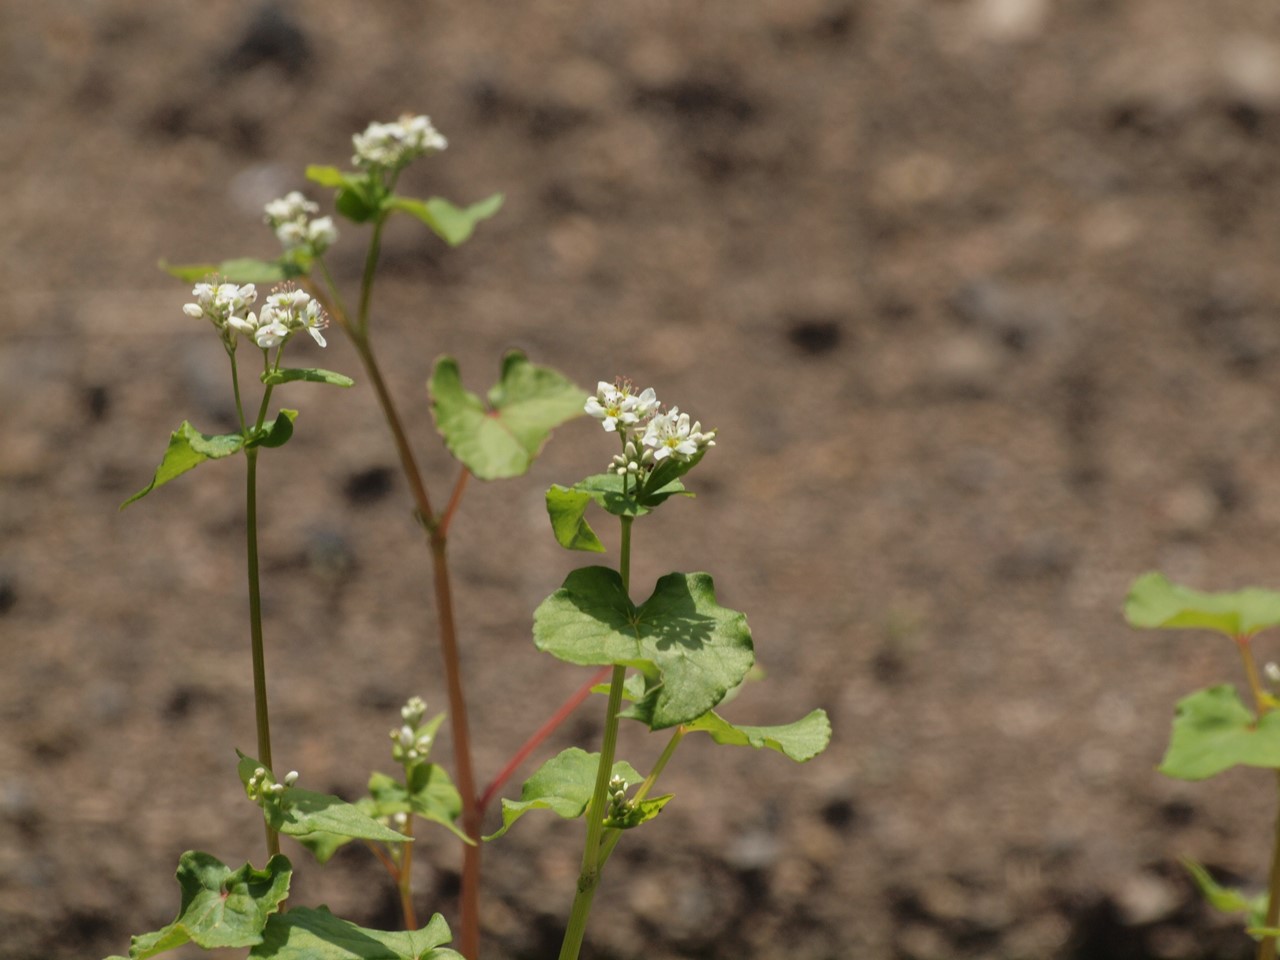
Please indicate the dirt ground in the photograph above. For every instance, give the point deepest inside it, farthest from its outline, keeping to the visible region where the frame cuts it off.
(981, 295)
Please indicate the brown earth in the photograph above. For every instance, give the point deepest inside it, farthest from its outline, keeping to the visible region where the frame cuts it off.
(981, 295)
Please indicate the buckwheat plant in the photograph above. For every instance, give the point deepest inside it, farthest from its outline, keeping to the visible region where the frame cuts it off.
(671, 660)
(1213, 730)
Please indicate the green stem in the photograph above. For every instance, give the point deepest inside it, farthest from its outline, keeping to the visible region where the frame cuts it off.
(1267, 947)
(235, 386)
(592, 859)
(1251, 673)
(405, 879)
(366, 280)
(255, 628)
(613, 836)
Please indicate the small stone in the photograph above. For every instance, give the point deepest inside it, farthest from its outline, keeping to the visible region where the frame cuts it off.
(1146, 898)
(919, 942)
(753, 850)
(966, 366)
(1250, 68)
(1010, 21)
(1189, 510)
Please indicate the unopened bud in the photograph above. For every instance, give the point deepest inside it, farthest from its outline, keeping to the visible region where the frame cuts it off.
(1272, 671)
(291, 778)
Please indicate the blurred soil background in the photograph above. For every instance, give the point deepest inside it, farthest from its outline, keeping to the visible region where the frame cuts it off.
(981, 294)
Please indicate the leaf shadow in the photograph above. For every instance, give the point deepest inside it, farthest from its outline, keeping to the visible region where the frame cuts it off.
(678, 622)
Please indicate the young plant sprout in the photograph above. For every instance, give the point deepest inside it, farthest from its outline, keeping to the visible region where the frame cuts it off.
(674, 658)
(1213, 729)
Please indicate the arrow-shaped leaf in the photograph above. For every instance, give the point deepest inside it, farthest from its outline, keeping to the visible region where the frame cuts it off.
(188, 448)
(453, 225)
(1156, 602)
(563, 785)
(503, 439)
(220, 907)
(699, 650)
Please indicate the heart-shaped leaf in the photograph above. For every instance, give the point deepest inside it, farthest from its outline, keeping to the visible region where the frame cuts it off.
(453, 225)
(1156, 602)
(563, 785)
(1213, 731)
(220, 907)
(502, 439)
(188, 448)
(698, 649)
(306, 934)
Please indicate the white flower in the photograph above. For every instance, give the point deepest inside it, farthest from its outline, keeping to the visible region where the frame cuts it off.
(392, 145)
(282, 315)
(224, 304)
(290, 218)
(671, 434)
(321, 234)
(615, 404)
(292, 206)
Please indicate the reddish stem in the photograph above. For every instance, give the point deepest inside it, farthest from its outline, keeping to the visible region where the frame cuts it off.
(539, 735)
(454, 499)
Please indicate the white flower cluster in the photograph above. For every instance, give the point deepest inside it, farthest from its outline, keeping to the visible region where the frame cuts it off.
(219, 302)
(409, 743)
(284, 313)
(260, 784)
(665, 434)
(392, 145)
(291, 218)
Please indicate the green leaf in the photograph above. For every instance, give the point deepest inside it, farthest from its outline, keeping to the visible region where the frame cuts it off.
(1213, 731)
(240, 270)
(802, 740)
(276, 433)
(430, 795)
(326, 176)
(220, 907)
(359, 199)
(453, 225)
(1156, 602)
(188, 448)
(1227, 900)
(306, 934)
(567, 510)
(299, 813)
(312, 375)
(563, 785)
(699, 649)
(657, 485)
(606, 489)
(641, 812)
(503, 439)
(355, 206)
